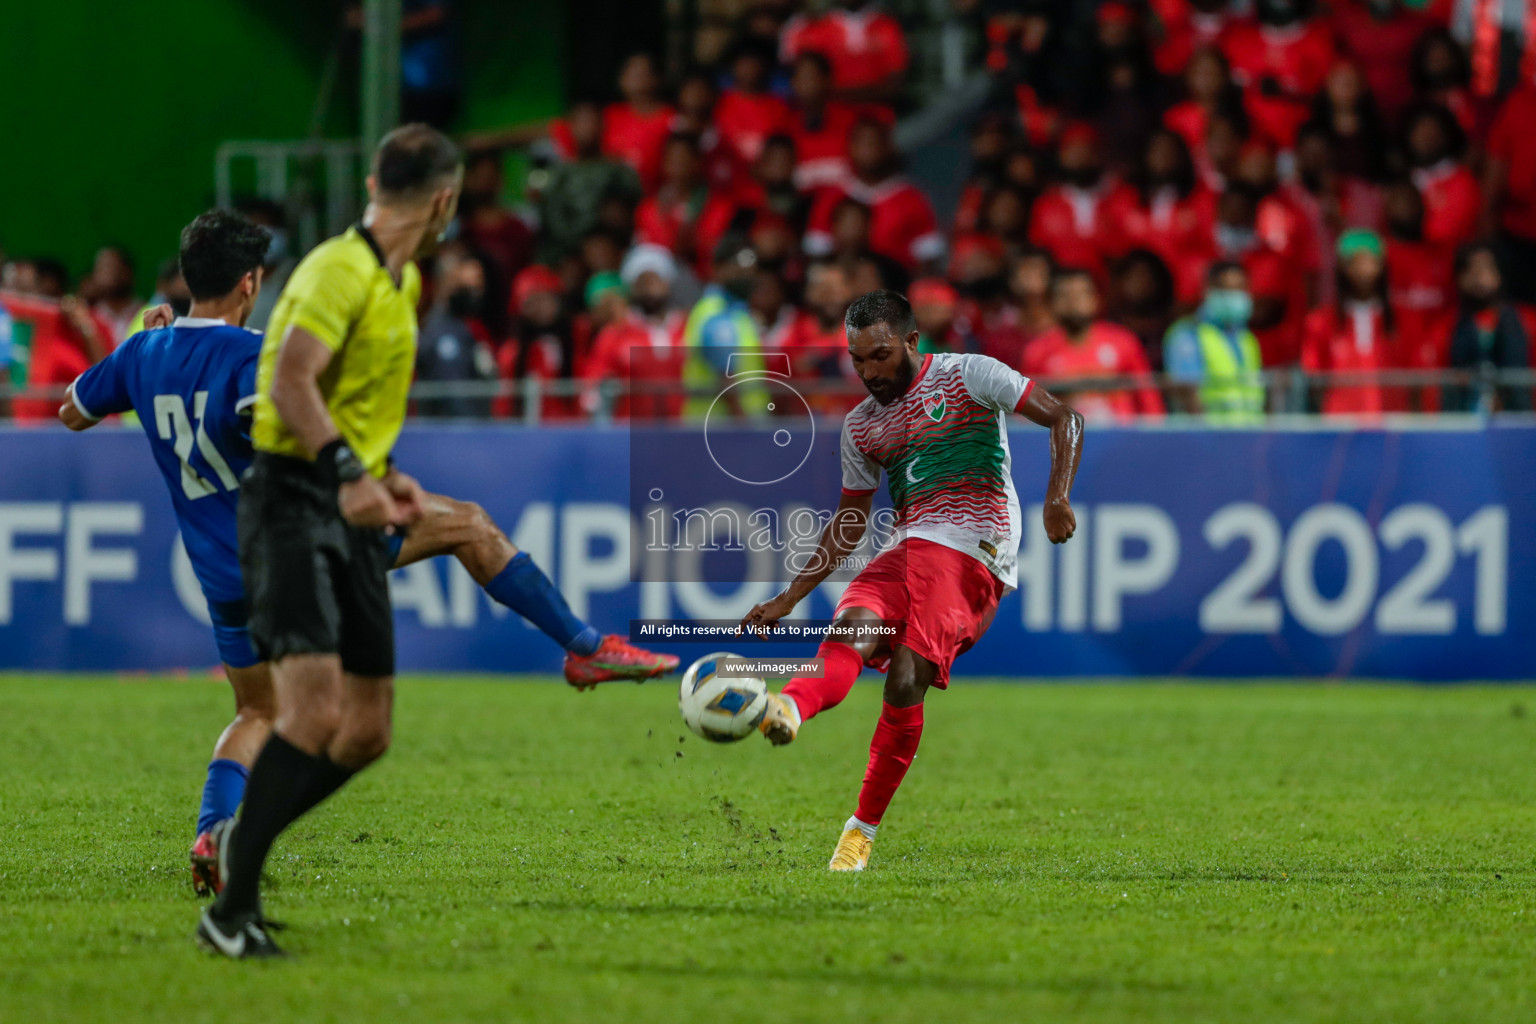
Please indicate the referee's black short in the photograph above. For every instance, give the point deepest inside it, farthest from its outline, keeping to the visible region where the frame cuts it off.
(316, 585)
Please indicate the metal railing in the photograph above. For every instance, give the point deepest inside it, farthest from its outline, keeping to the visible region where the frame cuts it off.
(1290, 393)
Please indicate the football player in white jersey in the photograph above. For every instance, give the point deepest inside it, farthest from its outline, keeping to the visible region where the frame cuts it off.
(935, 426)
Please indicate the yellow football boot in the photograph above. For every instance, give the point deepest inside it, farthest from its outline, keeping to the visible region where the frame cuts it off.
(781, 722)
(852, 851)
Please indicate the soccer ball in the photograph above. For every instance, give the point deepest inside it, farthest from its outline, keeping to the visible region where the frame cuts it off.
(721, 710)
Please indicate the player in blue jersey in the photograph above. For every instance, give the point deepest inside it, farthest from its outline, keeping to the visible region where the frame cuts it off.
(192, 380)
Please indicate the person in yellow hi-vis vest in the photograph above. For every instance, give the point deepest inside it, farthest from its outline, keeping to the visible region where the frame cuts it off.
(722, 339)
(1214, 357)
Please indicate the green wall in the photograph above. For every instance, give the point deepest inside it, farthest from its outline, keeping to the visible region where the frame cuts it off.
(514, 61)
(111, 112)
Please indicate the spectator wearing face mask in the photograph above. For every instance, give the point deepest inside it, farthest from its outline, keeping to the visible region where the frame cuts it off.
(1489, 333)
(1356, 335)
(453, 344)
(279, 262)
(1083, 345)
(722, 338)
(641, 351)
(1278, 288)
(1280, 59)
(1213, 356)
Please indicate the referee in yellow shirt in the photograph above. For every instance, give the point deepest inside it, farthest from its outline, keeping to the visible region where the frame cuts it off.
(322, 492)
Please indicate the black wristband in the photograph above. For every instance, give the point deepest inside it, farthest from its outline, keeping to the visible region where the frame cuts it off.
(339, 462)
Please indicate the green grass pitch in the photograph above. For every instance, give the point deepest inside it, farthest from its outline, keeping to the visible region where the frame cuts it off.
(1145, 853)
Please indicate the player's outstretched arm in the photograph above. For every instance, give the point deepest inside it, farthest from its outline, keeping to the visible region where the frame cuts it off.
(1066, 427)
(838, 540)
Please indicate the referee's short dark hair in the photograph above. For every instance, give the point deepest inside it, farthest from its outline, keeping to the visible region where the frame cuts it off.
(881, 307)
(217, 250)
(413, 161)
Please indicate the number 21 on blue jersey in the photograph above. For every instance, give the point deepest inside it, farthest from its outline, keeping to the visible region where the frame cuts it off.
(173, 425)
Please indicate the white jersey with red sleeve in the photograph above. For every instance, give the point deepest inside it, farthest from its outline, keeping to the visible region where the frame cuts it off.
(944, 450)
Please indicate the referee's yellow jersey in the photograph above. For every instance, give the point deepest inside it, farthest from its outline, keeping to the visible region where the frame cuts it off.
(343, 294)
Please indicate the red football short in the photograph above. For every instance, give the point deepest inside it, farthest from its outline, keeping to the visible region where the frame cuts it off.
(941, 600)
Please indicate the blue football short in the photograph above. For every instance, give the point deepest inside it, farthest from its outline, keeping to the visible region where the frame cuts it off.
(232, 633)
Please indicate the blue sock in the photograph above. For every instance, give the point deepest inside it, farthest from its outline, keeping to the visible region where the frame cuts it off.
(222, 792)
(524, 588)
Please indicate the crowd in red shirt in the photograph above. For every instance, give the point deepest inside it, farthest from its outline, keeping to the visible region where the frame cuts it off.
(1170, 136)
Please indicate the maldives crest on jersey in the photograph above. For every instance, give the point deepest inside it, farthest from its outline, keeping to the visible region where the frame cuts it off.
(934, 406)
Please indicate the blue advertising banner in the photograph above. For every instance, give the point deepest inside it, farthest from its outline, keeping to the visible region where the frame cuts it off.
(1381, 553)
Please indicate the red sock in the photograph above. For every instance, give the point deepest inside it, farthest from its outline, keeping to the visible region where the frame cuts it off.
(890, 754)
(813, 696)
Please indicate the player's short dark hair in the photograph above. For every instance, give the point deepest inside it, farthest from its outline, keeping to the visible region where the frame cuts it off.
(217, 250)
(413, 160)
(880, 307)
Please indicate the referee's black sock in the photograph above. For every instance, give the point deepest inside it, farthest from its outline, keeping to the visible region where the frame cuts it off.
(327, 779)
(279, 779)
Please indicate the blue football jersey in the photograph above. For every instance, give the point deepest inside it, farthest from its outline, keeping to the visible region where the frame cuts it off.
(191, 384)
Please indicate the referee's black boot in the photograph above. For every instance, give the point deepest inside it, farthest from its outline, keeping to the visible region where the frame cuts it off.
(242, 938)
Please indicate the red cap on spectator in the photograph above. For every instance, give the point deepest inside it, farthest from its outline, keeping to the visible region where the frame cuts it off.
(531, 281)
(932, 290)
